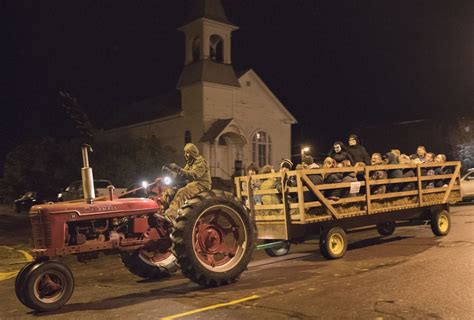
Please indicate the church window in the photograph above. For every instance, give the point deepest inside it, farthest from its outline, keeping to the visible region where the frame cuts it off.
(196, 47)
(249, 83)
(216, 48)
(187, 137)
(261, 148)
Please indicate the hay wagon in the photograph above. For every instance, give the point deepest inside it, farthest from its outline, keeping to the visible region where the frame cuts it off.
(306, 209)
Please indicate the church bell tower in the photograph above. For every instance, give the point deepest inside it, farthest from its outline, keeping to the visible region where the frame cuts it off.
(207, 45)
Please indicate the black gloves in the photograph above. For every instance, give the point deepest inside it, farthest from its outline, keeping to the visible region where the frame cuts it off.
(174, 167)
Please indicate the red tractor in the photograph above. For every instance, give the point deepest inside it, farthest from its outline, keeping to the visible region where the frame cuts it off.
(212, 239)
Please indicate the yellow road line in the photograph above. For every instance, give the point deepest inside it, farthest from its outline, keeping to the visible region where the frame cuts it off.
(215, 306)
(27, 256)
(12, 274)
(8, 275)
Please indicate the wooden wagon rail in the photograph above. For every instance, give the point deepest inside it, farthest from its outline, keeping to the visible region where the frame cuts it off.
(293, 209)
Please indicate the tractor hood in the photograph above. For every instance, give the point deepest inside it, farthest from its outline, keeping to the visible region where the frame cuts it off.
(107, 207)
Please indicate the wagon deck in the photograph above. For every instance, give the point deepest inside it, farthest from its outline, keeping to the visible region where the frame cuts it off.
(275, 221)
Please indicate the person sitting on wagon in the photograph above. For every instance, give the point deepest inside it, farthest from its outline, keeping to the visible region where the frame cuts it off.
(428, 171)
(357, 150)
(196, 172)
(334, 177)
(267, 184)
(441, 158)
(308, 164)
(420, 155)
(407, 173)
(348, 177)
(376, 160)
(339, 153)
(392, 158)
(252, 170)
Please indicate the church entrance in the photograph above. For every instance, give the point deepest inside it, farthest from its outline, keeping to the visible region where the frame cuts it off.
(229, 155)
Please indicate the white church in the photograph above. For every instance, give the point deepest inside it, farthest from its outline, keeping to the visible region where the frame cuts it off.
(234, 118)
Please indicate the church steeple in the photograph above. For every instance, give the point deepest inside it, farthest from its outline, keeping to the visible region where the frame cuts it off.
(209, 9)
(208, 45)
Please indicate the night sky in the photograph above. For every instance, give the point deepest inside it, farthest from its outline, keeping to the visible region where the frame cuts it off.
(334, 64)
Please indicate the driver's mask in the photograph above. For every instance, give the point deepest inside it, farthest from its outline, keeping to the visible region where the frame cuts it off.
(187, 157)
(337, 148)
(352, 142)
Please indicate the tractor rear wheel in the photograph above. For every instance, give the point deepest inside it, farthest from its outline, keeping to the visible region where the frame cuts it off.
(149, 264)
(45, 286)
(213, 238)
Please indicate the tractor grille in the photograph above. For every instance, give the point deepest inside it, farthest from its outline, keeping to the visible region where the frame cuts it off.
(41, 229)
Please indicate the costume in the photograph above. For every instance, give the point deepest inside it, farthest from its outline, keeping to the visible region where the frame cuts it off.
(357, 151)
(339, 153)
(196, 171)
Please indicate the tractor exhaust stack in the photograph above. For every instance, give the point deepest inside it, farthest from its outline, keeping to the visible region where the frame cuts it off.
(87, 177)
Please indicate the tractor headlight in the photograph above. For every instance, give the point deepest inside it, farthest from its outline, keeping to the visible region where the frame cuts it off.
(167, 180)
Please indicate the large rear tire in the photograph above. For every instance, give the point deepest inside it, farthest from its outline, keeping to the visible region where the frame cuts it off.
(45, 286)
(213, 239)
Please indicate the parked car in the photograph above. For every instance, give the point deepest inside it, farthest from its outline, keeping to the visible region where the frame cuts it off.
(74, 190)
(467, 185)
(30, 198)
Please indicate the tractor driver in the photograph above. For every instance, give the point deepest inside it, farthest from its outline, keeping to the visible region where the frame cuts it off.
(196, 172)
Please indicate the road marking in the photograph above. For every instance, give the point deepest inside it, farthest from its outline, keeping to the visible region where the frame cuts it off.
(12, 274)
(215, 306)
(8, 275)
(27, 256)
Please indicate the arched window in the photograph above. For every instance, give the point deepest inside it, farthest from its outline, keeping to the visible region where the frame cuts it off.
(216, 50)
(261, 148)
(187, 137)
(196, 47)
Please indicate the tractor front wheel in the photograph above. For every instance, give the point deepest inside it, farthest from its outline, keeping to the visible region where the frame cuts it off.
(213, 239)
(44, 286)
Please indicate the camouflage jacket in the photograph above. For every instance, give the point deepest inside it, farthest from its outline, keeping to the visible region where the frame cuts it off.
(197, 171)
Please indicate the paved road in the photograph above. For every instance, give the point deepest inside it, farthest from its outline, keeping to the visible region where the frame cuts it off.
(410, 275)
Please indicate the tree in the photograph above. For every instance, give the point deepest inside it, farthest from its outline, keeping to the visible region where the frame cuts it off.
(47, 165)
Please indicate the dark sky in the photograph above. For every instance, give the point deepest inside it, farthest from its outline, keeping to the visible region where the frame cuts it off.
(334, 64)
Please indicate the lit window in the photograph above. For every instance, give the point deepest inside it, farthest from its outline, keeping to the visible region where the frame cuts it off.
(261, 148)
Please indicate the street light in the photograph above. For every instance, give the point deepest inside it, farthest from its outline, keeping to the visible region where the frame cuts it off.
(303, 152)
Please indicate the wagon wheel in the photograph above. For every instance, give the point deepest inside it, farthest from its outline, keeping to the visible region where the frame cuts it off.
(440, 223)
(277, 251)
(386, 228)
(333, 243)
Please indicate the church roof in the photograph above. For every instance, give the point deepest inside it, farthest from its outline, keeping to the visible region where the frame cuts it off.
(209, 9)
(148, 109)
(215, 130)
(208, 71)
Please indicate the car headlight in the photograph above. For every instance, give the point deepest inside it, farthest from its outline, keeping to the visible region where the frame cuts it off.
(60, 195)
(167, 180)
